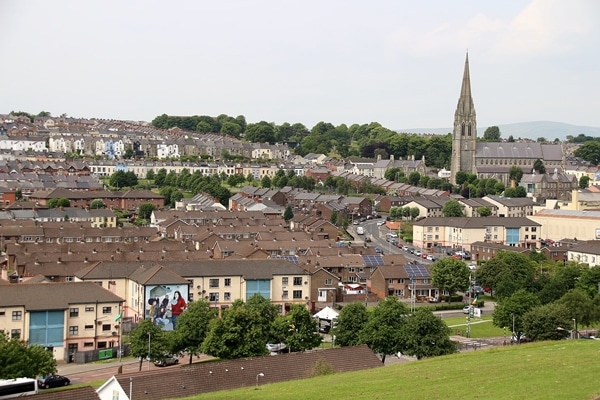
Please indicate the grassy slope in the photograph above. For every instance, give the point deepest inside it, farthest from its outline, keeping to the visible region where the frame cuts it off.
(547, 370)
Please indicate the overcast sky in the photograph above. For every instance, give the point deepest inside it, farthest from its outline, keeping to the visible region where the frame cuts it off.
(396, 62)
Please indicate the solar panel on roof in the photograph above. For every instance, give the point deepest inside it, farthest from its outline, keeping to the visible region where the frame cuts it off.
(293, 259)
(416, 271)
(372, 260)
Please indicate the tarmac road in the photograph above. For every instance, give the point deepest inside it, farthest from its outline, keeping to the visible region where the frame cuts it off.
(102, 371)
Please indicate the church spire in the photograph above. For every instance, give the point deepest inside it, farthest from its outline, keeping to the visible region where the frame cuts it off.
(465, 101)
(464, 137)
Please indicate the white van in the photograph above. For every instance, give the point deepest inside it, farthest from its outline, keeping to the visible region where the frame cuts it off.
(360, 230)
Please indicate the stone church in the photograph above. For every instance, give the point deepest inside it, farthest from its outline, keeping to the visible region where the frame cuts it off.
(493, 159)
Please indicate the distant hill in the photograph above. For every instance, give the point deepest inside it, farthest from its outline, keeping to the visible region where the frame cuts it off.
(530, 130)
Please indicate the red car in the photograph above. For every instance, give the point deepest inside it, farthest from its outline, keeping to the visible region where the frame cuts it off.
(424, 255)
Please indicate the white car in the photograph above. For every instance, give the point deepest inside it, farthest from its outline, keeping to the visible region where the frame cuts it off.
(381, 223)
(472, 267)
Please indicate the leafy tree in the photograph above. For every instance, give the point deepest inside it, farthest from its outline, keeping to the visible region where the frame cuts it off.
(237, 334)
(146, 210)
(97, 204)
(589, 151)
(60, 202)
(484, 211)
(515, 174)
(383, 330)
(461, 177)
(414, 212)
(150, 175)
(128, 153)
(261, 132)
(334, 217)
(547, 322)
(506, 273)
(350, 322)
(288, 213)
(538, 166)
(159, 178)
(579, 306)
(148, 342)
(452, 208)
(265, 182)
(267, 312)
(491, 134)
(192, 327)
(414, 178)
(518, 191)
(450, 275)
(563, 279)
(18, 360)
(509, 311)
(584, 182)
(589, 280)
(19, 194)
(426, 335)
(510, 139)
(302, 329)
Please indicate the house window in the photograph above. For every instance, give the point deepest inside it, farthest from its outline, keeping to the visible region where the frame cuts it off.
(284, 294)
(2, 313)
(17, 315)
(328, 282)
(399, 292)
(350, 269)
(297, 281)
(88, 326)
(70, 278)
(534, 229)
(227, 296)
(227, 282)
(297, 294)
(88, 344)
(106, 310)
(73, 330)
(88, 309)
(214, 296)
(390, 281)
(213, 283)
(74, 312)
(106, 327)
(284, 281)
(352, 279)
(15, 334)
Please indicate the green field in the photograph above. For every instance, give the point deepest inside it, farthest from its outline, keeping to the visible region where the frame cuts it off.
(566, 369)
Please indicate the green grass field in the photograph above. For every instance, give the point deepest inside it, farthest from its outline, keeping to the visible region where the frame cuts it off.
(547, 370)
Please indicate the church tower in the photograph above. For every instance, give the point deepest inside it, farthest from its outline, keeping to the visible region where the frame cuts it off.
(464, 136)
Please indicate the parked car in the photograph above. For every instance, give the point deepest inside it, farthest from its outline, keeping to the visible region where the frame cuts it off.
(405, 248)
(434, 299)
(431, 257)
(276, 347)
(417, 253)
(167, 360)
(424, 255)
(466, 309)
(378, 250)
(52, 381)
(472, 267)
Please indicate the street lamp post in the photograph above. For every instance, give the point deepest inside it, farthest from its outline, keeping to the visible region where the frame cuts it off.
(259, 375)
(574, 328)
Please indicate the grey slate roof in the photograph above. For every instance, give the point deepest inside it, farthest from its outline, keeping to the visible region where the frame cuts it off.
(54, 296)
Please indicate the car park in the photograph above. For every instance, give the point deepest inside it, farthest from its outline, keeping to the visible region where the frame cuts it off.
(166, 361)
(52, 381)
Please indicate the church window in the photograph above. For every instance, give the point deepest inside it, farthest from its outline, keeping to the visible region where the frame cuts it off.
(462, 129)
(469, 129)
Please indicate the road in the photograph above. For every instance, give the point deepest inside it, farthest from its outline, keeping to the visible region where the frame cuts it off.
(102, 371)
